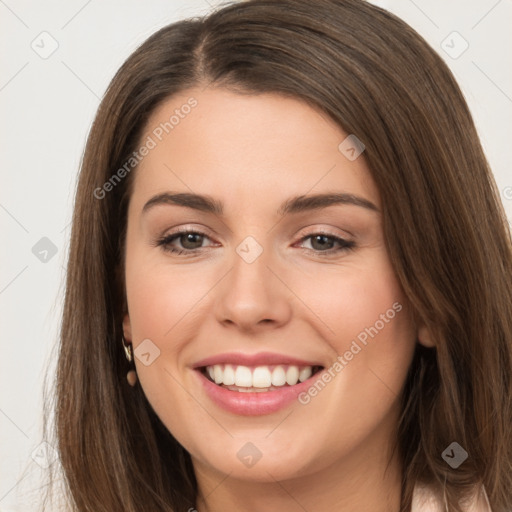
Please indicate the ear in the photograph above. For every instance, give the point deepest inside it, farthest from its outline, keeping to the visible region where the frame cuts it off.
(424, 337)
(127, 328)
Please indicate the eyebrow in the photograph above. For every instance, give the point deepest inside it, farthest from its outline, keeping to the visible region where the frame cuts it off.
(294, 205)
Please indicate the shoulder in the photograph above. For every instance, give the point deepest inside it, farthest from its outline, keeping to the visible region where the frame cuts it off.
(425, 499)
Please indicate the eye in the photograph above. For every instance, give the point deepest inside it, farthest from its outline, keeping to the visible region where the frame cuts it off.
(322, 243)
(191, 241)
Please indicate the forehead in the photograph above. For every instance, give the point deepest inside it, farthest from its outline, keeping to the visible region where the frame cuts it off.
(243, 147)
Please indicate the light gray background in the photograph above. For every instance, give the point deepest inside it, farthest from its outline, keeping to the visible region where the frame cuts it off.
(46, 109)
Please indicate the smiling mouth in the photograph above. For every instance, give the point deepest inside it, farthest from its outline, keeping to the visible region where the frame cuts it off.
(258, 379)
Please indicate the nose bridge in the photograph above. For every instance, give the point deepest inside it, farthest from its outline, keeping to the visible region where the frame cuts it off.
(251, 294)
(250, 274)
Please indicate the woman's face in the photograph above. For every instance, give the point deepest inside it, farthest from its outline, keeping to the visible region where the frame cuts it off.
(266, 289)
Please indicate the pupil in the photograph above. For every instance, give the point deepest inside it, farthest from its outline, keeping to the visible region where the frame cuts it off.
(321, 237)
(189, 238)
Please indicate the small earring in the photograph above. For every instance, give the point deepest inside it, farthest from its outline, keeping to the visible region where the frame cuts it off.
(131, 376)
(127, 350)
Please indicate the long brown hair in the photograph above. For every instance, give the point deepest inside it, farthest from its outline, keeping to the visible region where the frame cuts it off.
(444, 225)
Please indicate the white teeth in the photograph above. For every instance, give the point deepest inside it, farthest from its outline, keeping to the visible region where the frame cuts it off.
(292, 375)
(218, 374)
(305, 373)
(278, 376)
(243, 376)
(261, 377)
(229, 375)
(250, 390)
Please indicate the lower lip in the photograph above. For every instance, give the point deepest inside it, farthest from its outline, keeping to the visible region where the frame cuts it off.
(253, 404)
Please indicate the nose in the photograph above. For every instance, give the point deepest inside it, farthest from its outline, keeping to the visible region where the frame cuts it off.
(252, 296)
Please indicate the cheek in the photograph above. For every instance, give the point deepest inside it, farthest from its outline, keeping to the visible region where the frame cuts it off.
(161, 301)
(167, 305)
(352, 299)
(372, 335)
(365, 318)
(163, 305)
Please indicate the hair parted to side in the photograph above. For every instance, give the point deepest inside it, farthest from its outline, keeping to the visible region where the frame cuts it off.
(444, 225)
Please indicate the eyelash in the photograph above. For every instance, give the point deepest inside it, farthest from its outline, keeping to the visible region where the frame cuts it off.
(164, 242)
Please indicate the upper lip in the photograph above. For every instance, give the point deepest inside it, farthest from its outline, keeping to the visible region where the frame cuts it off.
(258, 359)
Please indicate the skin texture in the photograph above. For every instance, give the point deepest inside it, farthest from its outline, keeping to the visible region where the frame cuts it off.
(252, 152)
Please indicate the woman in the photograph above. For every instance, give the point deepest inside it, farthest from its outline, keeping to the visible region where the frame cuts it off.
(286, 235)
